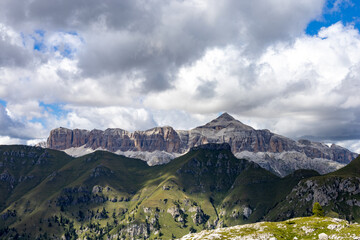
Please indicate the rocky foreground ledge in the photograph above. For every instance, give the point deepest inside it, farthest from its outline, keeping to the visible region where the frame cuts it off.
(297, 228)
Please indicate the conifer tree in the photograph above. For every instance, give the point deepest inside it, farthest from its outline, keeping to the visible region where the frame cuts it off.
(317, 210)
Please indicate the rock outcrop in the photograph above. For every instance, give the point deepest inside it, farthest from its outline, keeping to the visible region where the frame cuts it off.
(159, 138)
(338, 193)
(332, 190)
(295, 228)
(155, 145)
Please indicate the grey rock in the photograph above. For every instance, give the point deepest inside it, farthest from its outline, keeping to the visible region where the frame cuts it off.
(147, 210)
(133, 231)
(5, 176)
(276, 152)
(101, 171)
(176, 213)
(247, 211)
(97, 189)
(323, 236)
(199, 217)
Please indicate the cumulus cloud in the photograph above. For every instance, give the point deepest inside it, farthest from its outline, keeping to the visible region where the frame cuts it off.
(12, 54)
(136, 64)
(108, 117)
(7, 126)
(182, 32)
(304, 88)
(154, 39)
(12, 130)
(6, 140)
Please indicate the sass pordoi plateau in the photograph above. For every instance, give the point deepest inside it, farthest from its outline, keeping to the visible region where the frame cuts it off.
(222, 180)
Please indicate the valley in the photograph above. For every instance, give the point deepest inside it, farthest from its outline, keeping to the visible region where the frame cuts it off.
(49, 194)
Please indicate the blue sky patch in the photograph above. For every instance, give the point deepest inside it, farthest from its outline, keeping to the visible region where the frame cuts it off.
(3, 102)
(38, 120)
(56, 109)
(65, 50)
(72, 33)
(40, 32)
(344, 11)
(38, 38)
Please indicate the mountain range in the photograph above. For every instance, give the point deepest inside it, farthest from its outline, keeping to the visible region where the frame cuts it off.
(46, 193)
(160, 145)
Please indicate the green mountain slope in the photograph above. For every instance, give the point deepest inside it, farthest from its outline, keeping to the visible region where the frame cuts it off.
(110, 196)
(350, 170)
(22, 168)
(338, 192)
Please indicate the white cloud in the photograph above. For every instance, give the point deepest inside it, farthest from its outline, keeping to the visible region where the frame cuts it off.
(178, 63)
(11, 128)
(353, 145)
(108, 117)
(33, 142)
(29, 109)
(6, 140)
(292, 89)
(336, 7)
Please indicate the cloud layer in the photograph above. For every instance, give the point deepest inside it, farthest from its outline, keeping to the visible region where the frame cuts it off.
(137, 64)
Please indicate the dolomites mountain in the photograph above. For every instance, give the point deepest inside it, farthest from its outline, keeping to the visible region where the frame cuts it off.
(161, 144)
(104, 195)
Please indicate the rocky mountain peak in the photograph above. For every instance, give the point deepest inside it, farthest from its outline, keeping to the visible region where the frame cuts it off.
(226, 116)
(226, 120)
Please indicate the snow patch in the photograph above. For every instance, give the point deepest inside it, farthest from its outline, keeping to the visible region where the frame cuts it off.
(152, 158)
(79, 151)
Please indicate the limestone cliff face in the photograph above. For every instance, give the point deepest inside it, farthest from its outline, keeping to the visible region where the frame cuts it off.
(159, 138)
(224, 129)
(114, 139)
(63, 138)
(110, 139)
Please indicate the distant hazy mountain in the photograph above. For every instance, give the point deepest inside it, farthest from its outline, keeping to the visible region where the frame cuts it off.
(45, 193)
(159, 145)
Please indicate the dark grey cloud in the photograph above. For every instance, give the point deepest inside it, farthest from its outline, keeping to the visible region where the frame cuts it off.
(156, 55)
(333, 124)
(156, 38)
(68, 15)
(267, 22)
(207, 89)
(8, 127)
(13, 55)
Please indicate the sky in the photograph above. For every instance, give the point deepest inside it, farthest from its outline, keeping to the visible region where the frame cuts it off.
(292, 67)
